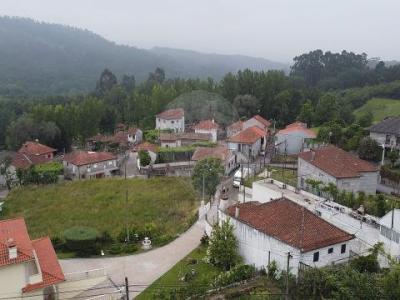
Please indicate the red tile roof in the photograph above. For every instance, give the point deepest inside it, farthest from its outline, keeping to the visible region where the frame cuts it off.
(164, 136)
(172, 114)
(49, 265)
(15, 230)
(248, 136)
(35, 148)
(80, 158)
(206, 125)
(237, 126)
(290, 223)
(337, 162)
(194, 136)
(221, 152)
(297, 126)
(146, 146)
(260, 119)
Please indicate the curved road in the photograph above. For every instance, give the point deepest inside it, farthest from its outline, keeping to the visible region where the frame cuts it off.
(143, 268)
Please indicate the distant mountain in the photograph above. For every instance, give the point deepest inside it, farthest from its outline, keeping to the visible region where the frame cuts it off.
(45, 59)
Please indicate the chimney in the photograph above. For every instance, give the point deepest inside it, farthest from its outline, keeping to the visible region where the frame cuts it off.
(12, 249)
(236, 212)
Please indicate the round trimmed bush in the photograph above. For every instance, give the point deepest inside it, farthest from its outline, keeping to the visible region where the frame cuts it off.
(81, 240)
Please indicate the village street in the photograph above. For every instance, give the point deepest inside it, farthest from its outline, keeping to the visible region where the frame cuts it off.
(141, 269)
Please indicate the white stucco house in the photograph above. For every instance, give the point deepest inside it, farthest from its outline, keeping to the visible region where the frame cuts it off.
(293, 138)
(221, 152)
(330, 164)
(389, 227)
(89, 164)
(248, 142)
(172, 119)
(208, 127)
(387, 132)
(281, 229)
(28, 268)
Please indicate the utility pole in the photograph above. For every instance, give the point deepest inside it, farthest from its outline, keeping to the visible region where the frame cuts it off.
(127, 216)
(126, 288)
(287, 277)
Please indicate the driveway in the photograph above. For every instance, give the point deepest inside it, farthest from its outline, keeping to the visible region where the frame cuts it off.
(131, 166)
(143, 268)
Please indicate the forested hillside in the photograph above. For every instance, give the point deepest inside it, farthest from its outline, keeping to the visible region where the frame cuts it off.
(48, 59)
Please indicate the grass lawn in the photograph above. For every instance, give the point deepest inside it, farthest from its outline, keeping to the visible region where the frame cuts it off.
(380, 108)
(170, 281)
(168, 203)
(285, 175)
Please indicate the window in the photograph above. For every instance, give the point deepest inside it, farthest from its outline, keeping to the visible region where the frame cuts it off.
(330, 250)
(316, 256)
(343, 249)
(387, 140)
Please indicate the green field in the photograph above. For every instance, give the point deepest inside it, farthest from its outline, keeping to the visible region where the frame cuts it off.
(167, 204)
(380, 108)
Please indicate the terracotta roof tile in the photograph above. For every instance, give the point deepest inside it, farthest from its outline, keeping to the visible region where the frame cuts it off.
(164, 136)
(194, 136)
(337, 162)
(146, 146)
(297, 126)
(206, 125)
(80, 158)
(172, 114)
(290, 223)
(248, 136)
(49, 265)
(237, 126)
(260, 119)
(35, 148)
(221, 152)
(15, 230)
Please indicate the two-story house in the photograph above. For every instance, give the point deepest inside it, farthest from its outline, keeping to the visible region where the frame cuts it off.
(172, 119)
(208, 127)
(258, 121)
(89, 164)
(330, 164)
(387, 132)
(28, 268)
(249, 142)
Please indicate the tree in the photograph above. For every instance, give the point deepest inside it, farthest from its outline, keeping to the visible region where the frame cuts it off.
(144, 158)
(369, 149)
(246, 105)
(365, 119)
(128, 82)
(106, 82)
(222, 249)
(306, 113)
(5, 163)
(209, 172)
(393, 156)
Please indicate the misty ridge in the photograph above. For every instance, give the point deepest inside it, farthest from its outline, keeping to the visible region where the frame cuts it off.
(38, 58)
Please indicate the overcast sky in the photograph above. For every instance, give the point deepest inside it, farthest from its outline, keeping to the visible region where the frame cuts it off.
(274, 29)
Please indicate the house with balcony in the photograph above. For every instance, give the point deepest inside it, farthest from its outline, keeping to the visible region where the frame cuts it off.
(89, 164)
(329, 164)
(280, 230)
(28, 268)
(387, 132)
(171, 119)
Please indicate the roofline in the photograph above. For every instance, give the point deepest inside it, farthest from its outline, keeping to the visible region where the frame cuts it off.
(90, 162)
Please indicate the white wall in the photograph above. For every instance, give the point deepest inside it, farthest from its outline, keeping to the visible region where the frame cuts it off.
(212, 132)
(177, 125)
(255, 247)
(294, 142)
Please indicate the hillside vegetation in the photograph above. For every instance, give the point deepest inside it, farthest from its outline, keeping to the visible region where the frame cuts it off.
(380, 108)
(49, 59)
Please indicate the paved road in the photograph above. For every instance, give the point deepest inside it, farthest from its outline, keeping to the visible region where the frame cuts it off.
(142, 268)
(131, 166)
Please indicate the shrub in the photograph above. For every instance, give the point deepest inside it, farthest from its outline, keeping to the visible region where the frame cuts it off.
(204, 239)
(237, 273)
(272, 270)
(81, 240)
(144, 158)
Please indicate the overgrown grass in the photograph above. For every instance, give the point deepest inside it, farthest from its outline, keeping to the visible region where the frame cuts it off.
(285, 175)
(380, 108)
(167, 203)
(171, 281)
